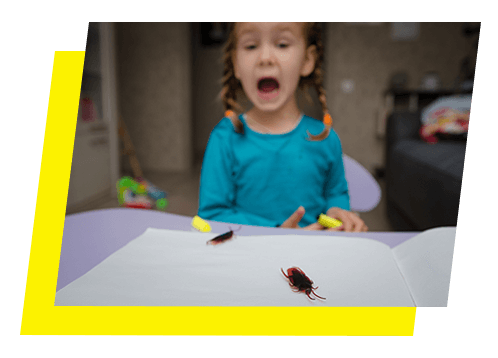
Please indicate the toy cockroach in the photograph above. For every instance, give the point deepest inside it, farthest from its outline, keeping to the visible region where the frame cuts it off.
(301, 282)
(222, 238)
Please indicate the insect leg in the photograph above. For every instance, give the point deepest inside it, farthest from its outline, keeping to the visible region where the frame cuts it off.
(323, 298)
(308, 294)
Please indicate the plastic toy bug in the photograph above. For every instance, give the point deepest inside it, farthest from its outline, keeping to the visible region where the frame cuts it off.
(298, 280)
(223, 237)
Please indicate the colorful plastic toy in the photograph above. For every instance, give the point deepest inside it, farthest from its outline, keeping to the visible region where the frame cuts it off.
(152, 191)
(140, 194)
(200, 224)
(329, 222)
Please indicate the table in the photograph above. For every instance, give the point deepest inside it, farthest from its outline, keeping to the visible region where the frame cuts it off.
(90, 237)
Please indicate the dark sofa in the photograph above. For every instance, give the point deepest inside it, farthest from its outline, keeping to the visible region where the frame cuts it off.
(423, 181)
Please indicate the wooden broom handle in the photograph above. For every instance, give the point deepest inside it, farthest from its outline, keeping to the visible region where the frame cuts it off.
(129, 149)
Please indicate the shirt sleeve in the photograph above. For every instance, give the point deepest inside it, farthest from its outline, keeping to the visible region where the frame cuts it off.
(336, 187)
(217, 192)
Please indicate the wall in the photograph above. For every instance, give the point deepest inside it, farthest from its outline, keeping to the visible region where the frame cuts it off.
(154, 81)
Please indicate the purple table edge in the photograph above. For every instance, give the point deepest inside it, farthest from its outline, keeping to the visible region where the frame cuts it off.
(90, 237)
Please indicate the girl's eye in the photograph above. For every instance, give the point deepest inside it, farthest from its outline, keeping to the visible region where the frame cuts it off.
(252, 46)
(283, 45)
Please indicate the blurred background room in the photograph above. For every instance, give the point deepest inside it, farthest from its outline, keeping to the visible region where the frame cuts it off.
(149, 100)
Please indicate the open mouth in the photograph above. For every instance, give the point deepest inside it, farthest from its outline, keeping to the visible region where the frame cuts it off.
(268, 88)
(268, 84)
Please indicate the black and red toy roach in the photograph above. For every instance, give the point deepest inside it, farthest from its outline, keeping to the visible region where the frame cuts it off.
(302, 283)
(222, 238)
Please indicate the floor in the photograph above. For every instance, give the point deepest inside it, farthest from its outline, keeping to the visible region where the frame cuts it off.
(183, 191)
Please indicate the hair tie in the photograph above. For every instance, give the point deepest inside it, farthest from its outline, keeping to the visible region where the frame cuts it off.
(229, 113)
(327, 120)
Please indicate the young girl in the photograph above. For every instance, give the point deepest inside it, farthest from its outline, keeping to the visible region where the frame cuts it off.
(274, 166)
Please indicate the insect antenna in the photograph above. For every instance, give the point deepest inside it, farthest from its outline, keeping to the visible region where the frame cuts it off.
(240, 227)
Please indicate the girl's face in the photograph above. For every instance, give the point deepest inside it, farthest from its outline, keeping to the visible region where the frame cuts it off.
(270, 59)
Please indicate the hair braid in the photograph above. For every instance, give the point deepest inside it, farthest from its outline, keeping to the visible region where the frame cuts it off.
(323, 102)
(230, 83)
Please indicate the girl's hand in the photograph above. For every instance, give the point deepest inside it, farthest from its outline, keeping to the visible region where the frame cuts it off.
(293, 221)
(350, 221)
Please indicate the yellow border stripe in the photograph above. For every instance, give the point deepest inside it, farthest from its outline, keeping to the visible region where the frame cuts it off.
(40, 316)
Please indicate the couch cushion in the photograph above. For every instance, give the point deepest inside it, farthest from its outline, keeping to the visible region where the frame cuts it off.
(424, 181)
(446, 158)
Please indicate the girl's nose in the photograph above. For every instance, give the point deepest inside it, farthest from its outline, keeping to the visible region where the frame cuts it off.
(266, 54)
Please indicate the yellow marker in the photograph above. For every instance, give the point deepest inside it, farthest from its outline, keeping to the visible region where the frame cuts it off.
(329, 222)
(200, 224)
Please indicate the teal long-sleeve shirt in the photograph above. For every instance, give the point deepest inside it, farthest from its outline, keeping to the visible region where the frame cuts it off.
(261, 179)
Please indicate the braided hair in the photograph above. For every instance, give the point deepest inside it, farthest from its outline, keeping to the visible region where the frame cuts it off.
(232, 88)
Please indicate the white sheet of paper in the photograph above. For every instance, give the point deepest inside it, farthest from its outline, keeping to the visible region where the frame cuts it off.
(175, 268)
(425, 262)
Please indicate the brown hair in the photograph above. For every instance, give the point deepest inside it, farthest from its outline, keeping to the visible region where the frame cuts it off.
(232, 87)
